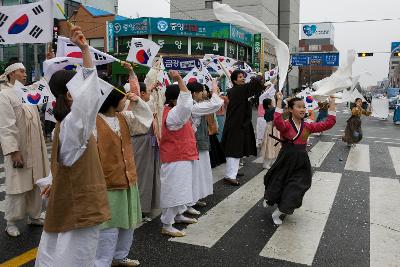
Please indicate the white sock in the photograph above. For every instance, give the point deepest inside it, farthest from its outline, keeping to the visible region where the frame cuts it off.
(170, 228)
(265, 204)
(275, 216)
(267, 164)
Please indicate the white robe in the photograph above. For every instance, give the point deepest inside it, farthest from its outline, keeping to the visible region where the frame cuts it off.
(176, 177)
(202, 175)
(75, 247)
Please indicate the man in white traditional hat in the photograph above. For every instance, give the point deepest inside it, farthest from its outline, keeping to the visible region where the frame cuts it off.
(24, 149)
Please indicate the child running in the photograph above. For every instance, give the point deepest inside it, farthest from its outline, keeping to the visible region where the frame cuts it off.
(290, 176)
(353, 131)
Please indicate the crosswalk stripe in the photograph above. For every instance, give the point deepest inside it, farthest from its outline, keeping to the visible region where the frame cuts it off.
(224, 215)
(395, 155)
(297, 239)
(385, 222)
(319, 152)
(358, 159)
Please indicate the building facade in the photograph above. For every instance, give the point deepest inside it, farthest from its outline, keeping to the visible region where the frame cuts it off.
(317, 42)
(182, 42)
(281, 17)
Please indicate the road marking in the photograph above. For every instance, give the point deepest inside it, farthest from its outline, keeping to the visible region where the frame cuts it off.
(358, 159)
(297, 239)
(395, 155)
(2, 175)
(319, 152)
(213, 225)
(384, 222)
(391, 143)
(21, 259)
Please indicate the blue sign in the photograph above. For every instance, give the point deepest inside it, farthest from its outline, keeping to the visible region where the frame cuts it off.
(395, 46)
(181, 64)
(316, 59)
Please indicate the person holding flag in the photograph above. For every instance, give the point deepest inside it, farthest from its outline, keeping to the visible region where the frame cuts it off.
(77, 203)
(114, 128)
(24, 149)
(202, 174)
(238, 139)
(178, 151)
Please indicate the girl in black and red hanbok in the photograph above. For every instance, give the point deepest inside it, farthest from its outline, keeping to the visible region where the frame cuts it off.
(289, 178)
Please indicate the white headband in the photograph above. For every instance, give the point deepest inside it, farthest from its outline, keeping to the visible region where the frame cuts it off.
(11, 68)
(14, 67)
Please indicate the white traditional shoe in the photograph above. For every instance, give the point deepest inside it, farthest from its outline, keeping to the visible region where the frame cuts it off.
(265, 204)
(125, 262)
(12, 230)
(36, 222)
(192, 211)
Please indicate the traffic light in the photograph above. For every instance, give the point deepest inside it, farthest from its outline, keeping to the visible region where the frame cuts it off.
(364, 54)
(396, 54)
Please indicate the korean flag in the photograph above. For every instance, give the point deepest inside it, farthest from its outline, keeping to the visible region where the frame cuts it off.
(142, 51)
(29, 23)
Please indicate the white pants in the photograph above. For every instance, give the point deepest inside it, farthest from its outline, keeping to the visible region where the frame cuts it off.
(74, 248)
(232, 167)
(18, 206)
(114, 243)
(168, 215)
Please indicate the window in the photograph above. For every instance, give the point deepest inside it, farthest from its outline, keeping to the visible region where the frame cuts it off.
(314, 48)
(209, 3)
(97, 43)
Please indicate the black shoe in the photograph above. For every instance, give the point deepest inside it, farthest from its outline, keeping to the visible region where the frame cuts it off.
(240, 174)
(229, 181)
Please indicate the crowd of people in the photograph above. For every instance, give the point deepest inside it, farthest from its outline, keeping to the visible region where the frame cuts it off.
(114, 161)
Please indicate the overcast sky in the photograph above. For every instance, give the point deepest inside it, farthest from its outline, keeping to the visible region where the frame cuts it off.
(364, 36)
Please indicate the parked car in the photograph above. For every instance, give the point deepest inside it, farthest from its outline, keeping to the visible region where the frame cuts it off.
(393, 102)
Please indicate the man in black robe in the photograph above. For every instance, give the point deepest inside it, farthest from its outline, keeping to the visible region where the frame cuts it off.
(238, 139)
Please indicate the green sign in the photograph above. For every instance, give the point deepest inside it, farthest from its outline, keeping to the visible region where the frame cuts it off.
(130, 27)
(241, 36)
(242, 53)
(193, 28)
(171, 44)
(232, 50)
(257, 51)
(201, 46)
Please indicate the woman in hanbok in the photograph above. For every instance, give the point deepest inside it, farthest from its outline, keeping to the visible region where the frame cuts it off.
(289, 178)
(270, 147)
(353, 132)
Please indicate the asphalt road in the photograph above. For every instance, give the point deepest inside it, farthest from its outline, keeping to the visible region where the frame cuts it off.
(350, 217)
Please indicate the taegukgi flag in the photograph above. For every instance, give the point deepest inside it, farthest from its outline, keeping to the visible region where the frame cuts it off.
(35, 94)
(29, 23)
(65, 48)
(143, 51)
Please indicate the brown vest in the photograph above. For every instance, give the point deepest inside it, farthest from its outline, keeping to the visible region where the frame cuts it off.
(78, 196)
(116, 154)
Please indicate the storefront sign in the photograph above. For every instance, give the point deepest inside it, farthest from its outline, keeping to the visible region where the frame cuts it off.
(202, 46)
(171, 44)
(189, 28)
(241, 36)
(180, 64)
(257, 51)
(131, 27)
(232, 50)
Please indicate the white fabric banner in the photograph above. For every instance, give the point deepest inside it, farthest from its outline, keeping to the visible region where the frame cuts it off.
(380, 107)
(65, 48)
(338, 81)
(29, 23)
(34, 94)
(143, 51)
(227, 14)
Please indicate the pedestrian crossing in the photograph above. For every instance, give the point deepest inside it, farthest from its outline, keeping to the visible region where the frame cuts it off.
(298, 239)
